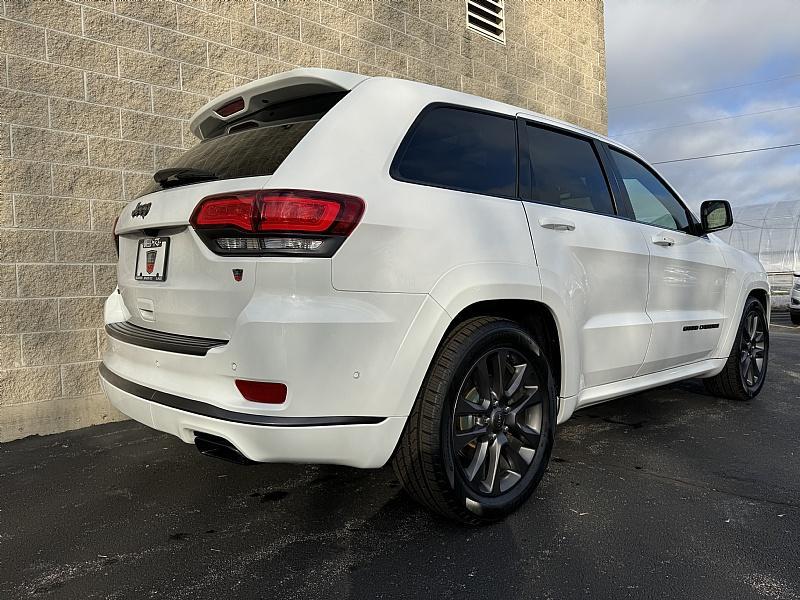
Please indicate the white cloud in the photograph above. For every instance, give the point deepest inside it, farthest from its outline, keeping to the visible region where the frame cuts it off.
(663, 49)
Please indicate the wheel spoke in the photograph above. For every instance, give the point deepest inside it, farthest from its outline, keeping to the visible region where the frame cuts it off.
(527, 437)
(759, 337)
(530, 398)
(744, 362)
(466, 407)
(514, 458)
(751, 325)
(484, 381)
(492, 481)
(756, 370)
(462, 438)
(500, 361)
(478, 459)
(516, 380)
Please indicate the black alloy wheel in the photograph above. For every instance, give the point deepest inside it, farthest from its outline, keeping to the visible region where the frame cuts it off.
(479, 437)
(497, 422)
(753, 349)
(745, 371)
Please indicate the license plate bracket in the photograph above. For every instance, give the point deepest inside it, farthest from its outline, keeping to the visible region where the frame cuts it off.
(151, 259)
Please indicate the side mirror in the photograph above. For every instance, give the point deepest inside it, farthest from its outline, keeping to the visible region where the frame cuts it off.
(715, 215)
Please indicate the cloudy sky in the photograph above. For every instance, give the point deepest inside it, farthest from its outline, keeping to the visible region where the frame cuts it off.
(669, 50)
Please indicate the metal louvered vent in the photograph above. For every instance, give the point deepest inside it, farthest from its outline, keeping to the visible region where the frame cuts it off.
(487, 17)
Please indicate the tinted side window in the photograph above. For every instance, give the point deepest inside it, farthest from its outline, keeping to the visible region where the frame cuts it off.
(652, 203)
(567, 172)
(461, 150)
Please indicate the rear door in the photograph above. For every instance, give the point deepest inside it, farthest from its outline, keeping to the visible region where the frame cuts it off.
(687, 271)
(591, 261)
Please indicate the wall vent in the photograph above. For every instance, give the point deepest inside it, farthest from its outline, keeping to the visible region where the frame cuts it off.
(488, 18)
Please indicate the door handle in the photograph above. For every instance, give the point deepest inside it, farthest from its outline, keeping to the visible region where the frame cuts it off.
(663, 240)
(557, 224)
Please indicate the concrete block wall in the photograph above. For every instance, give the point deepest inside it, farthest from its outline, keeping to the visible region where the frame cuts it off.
(95, 96)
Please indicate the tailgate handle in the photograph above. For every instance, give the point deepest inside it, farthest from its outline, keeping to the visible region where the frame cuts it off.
(146, 308)
(557, 224)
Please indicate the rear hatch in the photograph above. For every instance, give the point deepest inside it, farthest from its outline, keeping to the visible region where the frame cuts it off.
(171, 277)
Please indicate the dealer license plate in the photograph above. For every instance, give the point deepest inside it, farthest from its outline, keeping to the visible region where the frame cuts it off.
(151, 259)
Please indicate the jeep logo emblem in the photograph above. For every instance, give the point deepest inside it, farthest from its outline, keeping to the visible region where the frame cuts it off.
(141, 210)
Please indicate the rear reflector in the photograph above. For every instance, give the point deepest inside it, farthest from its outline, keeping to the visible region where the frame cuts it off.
(264, 392)
(277, 222)
(231, 108)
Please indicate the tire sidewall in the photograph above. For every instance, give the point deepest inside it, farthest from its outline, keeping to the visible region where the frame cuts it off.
(501, 334)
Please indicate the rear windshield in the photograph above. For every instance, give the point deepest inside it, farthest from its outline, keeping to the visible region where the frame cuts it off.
(248, 153)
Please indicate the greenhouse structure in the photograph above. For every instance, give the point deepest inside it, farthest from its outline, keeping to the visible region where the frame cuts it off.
(771, 233)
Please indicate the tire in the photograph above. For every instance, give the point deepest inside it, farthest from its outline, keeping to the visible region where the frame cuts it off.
(794, 315)
(505, 430)
(743, 376)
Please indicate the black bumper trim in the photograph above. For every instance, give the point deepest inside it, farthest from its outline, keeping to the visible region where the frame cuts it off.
(162, 340)
(214, 412)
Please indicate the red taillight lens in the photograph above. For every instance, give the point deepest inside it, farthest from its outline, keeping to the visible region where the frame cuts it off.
(231, 108)
(234, 210)
(277, 222)
(262, 391)
(296, 213)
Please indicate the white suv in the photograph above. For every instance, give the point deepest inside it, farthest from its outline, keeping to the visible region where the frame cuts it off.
(354, 270)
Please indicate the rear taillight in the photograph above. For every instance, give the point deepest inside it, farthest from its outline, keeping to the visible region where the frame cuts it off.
(276, 222)
(115, 234)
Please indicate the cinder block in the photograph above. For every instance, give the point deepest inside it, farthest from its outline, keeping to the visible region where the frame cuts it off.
(26, 245)
(119, 154)
(46, 212)
(45, 144)
(44, 78)
(21, 316)
(86, 182)
(80, 313)
(23, 40)
(85, 247)
(37, 281)
(21, 386)
(57, 347)
(82, 53)
(149, 68)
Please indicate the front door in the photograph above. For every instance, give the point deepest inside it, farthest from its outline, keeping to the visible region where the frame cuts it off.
(687, 271)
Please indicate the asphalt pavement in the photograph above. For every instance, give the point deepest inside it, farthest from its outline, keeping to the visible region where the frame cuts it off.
(669, 493)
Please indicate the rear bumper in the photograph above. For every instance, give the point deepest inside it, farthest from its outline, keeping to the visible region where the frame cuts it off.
(364, 442)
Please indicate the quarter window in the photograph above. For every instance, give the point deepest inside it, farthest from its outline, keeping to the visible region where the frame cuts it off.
(461, 150)
(651, 201)
(567, 172)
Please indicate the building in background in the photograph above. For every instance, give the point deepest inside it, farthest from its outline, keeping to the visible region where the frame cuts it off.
(771, 233)
(95, 96)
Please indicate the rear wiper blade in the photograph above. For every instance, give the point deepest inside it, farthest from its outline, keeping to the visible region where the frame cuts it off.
(182, 176)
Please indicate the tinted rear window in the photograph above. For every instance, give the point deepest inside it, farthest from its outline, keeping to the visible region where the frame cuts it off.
(248, 153)
(567, 173)
(461, 150)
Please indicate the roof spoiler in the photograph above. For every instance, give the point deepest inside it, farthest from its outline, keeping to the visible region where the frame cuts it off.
(212, 118)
